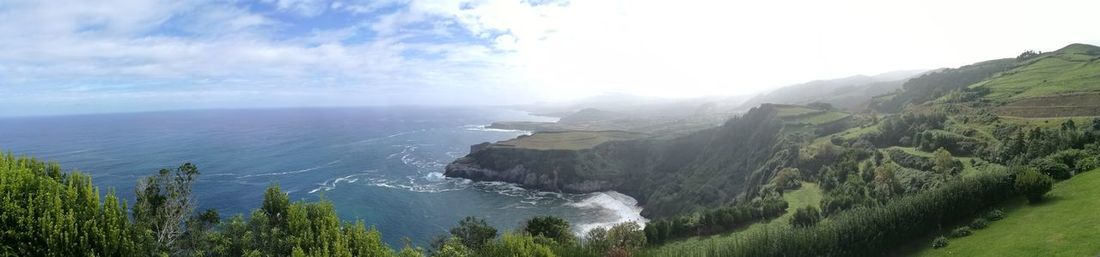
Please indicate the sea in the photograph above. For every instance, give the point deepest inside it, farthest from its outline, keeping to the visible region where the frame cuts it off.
(381, 165)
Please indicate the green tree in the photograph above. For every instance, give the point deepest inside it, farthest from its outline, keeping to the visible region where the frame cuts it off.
(626, 235)
(885, 183)
(474, 232)
(164, 204)
(551, 227)
(805, 217)
(1033, 184)
(942, 162)
(452, 247)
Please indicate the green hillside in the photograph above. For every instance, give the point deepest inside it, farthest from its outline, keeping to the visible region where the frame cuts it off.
(1068, 224)
(1073, 69)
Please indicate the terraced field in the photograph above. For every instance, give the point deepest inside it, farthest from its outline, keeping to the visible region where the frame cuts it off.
(567, 140)
(1073, 69)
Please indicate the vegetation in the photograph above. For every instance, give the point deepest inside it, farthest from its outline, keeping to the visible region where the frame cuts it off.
(1033, 185)
(1065, 225)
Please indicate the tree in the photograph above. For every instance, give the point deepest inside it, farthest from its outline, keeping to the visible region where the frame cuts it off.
(787, 178)
(1033, 184)
(942, 162)
(551, 227)
(164, 203)
(1053, 168)
(805, 217)
(885, 183)
(474, 232)
(452, 247)
(626, 235)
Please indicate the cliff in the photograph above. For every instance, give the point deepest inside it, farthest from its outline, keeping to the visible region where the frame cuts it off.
(666, 175)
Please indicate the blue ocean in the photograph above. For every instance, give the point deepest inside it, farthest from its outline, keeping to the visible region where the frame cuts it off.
(382, 165)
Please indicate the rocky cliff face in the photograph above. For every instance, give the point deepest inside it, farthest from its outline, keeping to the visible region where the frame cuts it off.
(600, 168)
(667, 176)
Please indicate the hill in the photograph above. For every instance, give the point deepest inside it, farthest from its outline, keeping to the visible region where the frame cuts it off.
(1064, 225)
(850, 93)
(668, 175)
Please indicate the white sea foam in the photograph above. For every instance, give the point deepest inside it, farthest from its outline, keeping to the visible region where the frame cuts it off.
(288, 172)
(486, 128)
(614, 207)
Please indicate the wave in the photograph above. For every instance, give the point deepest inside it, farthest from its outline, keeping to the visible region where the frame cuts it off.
(390, 136)
(285, 172)
(486, 128)
(614, 207)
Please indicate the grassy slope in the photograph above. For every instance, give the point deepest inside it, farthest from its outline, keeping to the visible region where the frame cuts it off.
(809, 194)
(1074, 68)
(568, 140)
(1068, 224)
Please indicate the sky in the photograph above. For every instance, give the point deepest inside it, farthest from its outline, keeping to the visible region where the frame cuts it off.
(80, 56)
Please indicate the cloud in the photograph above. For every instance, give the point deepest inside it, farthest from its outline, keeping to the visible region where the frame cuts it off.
(355, 52)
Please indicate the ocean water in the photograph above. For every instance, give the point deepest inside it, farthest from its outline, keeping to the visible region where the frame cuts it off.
(380, 164)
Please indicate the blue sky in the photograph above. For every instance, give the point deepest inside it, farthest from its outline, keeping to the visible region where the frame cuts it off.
(78, 56)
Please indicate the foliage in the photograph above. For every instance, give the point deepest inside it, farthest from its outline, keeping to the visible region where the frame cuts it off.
(1033, 184)
(805, 217)
(550, 227)
(1052, 168)
(861, 231)
(979, 223)
(47, 212)
(939, 242)
(995, 215)
(961, 232)
(516, 245)
(164, 203)
(473, 232)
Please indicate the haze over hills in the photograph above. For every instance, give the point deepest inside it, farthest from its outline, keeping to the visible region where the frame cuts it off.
(850, 93)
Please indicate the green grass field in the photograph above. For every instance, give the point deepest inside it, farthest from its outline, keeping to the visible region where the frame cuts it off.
(1073, 69)
(1067, 224)
(569, 140)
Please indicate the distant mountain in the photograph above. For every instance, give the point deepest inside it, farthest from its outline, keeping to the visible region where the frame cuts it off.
(850, 93)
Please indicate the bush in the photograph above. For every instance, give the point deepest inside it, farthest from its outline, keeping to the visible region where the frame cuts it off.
(549, 227)
(979, 223)
(960, 232)
(995, 215)
(1087, 164)
(1053, 168)
(939, 242)
(1033, 185)
(805, 217)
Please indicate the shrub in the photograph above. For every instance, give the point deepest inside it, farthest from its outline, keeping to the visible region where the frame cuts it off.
(1033, 185)
(939, 242)
(1087, 164)
(1053, 168)
(805, 217)
(995, 215)
(979, 223)
(960, 232)
(549, 227)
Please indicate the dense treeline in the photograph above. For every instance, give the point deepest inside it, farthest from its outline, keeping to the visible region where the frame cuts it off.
(47, 212)
(713, 220)
(868, 231)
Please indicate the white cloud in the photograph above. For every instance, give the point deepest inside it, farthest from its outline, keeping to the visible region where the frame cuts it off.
(454, 51)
